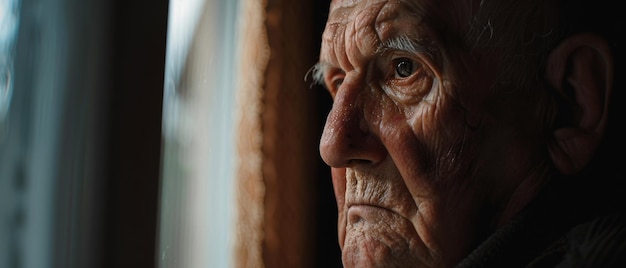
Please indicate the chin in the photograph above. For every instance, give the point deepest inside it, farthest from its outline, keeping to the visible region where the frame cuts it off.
(372, 253)
(377, 237)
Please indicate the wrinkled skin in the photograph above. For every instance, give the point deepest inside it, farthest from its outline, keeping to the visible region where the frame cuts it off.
(426, 159)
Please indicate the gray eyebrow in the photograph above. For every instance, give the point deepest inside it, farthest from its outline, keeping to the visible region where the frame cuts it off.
(401, 43)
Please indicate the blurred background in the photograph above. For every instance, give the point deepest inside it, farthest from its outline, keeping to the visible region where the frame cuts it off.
(179, 133)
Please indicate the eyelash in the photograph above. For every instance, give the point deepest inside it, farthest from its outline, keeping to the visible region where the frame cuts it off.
(333, 81)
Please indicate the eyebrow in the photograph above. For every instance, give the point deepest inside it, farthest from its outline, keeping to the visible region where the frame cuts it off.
(401, 43)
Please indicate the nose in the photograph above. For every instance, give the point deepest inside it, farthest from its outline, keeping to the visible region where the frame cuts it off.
(348, 137)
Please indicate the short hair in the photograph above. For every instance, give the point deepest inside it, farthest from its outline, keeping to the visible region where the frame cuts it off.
(525, 31)
(521, 32)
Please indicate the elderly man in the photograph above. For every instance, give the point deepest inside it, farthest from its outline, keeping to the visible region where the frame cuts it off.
(461, 131)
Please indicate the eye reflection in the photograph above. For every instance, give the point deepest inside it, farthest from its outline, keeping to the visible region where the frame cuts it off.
(404, 68)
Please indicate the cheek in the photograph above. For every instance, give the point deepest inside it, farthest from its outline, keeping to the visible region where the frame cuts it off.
(339, 186)
(432, 143)
(442, 125)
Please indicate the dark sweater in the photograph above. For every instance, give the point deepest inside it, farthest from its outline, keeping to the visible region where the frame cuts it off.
(562, 228)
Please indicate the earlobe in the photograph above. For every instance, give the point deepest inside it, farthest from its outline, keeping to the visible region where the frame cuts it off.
(580, 69)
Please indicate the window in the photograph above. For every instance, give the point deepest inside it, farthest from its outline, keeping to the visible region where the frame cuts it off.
(156, 133)
(242, 181)
(52, 71)
(80, 126)
(198, 177)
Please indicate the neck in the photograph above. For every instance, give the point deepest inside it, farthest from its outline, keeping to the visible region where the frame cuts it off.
(526, 191)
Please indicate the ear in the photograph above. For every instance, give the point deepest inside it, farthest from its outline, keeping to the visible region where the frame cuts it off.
(581, 70)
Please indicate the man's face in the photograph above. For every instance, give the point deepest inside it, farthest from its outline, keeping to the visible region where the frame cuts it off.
(415, 139)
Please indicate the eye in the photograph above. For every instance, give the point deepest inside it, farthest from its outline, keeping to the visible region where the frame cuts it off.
(404, 68)
(337, 83)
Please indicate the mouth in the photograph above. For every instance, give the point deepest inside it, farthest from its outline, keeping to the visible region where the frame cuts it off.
(377, 236)
(358, 212)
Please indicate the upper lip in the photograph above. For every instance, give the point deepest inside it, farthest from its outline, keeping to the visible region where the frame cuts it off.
(353, 203)
(386, 194)
(373, 205)
(367, 204)
(382, 204)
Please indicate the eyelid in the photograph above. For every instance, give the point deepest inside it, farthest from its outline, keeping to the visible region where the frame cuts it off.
(332, 78)
(393, 54)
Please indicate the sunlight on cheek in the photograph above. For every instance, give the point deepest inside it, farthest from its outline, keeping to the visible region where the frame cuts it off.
(418, 90)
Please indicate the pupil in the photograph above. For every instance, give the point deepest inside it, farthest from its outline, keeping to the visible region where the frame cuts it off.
(404, 68)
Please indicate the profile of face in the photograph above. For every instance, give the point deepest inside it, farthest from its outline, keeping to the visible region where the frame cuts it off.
(427, 155)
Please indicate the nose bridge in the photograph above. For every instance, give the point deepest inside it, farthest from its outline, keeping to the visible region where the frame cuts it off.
(344, 119)
(347, 135)
(348, 103)
(342, 126)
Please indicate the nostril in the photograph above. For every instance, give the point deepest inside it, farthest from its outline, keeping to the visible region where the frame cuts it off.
(357, 162)
(344, 146)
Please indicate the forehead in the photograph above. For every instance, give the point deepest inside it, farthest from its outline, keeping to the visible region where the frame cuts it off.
(368, 12)
(450, 7)
(369, 23)
(442, 14)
